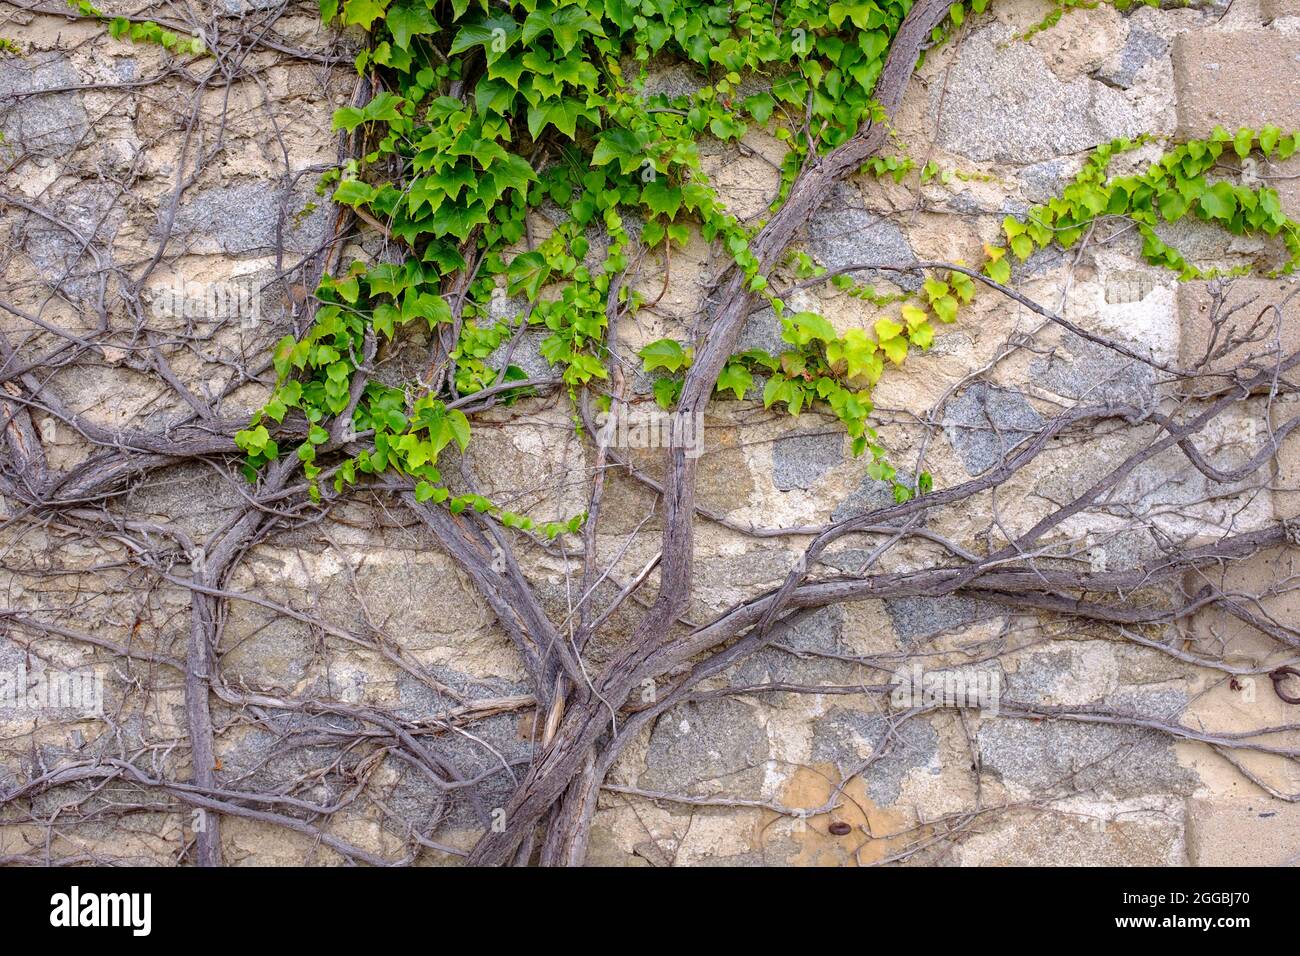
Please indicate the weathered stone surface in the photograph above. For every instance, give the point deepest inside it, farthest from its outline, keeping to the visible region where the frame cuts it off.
(1286, 494)
(264, 756)
(243, 219)
(237, 8)
(871, 495)
(265, 652)
(984, 423)
(1043, 181)
(1014, 109)
(417, 700)
(525, 354)
(677, 79)
(1073, 672)
(724, 481)
(1250, 331)
(745, 180)
(171, 500)
(1090, 373)
(500, 754)
(818, 632)
(762, 331)
(707, 747)
(915, 619)
(604, 847)
(1265, 586)
(1276, 9)
(1036, 838)
(842, 233)
(1219, 80)
(1185, 501)
(800, 461)
(534, 464)
(847, 737)
(61, 255)
(1063, 756)
(1141, 47)
(40, 125)
(1251, 831)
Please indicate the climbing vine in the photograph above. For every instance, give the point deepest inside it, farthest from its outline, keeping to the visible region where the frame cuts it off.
(141, 31)
(1176, 185)
(467, 122)
(485, 112)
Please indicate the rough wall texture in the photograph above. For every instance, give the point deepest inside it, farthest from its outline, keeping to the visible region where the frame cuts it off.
(108, 150)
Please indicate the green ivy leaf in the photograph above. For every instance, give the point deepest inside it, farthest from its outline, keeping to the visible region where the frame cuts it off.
(363, 13)
(735, 377)
(527, 273)
(666, 354)
(1243, 141)
(887, 329)
(407, 20)
(495, 34)
(804, 327)
(667, 391)
(1219, 201)
(895, 348)
(619, 145)
(661, 199)
(999, 270)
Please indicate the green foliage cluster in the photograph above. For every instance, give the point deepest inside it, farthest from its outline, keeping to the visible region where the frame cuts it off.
(1062, 7)
(840, 370)
(823, 365)
(488, 110)
(144, 31)
(1176, 185)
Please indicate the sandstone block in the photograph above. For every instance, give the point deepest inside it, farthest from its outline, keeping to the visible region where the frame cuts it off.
(1221, 79)
(1243, 832)
(1276, 9)
(1249, 331)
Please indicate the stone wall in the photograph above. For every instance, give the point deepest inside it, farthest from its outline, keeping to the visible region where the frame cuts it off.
(111, 147)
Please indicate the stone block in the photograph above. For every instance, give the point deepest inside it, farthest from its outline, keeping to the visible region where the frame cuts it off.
(985, 423)
(800, 461)
(1286, 486)
(1250, 331)
(1077, 839)
(1058, 757)
(842, 233)
(711, 746)
(1277, 9)
(1014, 109)
(1243, 832)
(845, 737)
(1221, 79)
(35, 123)
(243, 219)
(1266, 586)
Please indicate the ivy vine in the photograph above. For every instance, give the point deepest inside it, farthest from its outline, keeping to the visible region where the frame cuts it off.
(487, 110)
